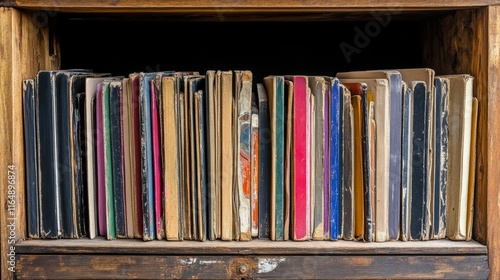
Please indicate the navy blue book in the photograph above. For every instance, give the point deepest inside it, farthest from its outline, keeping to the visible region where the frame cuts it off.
(31, 165)
(147, 156)
(117, 157)
(264, 162)
(335, 159)
(419, 172)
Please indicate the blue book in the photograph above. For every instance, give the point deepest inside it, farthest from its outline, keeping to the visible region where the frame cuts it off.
(335, 156)
(147, 156)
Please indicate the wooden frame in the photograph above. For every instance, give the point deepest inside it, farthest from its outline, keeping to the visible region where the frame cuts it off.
(469, 38)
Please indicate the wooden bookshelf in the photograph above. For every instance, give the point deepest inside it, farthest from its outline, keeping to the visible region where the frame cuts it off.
(456, 36)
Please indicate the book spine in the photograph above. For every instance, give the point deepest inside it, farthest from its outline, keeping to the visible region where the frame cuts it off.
(264, 162)
(317, 157)
(300, 179)
(335, 173)
(254, 161)
(359, 225)
(158, 186)
(396, 101)
(202, 158)
(31, 164)
(406, 163)
(326, 158)
(279, 144)
(101, 187)
(147, 158)
(244, 159)
(348, 165)
(418, 163)
(108, 165)
(117, 158)
(137, 150)
(227, 154)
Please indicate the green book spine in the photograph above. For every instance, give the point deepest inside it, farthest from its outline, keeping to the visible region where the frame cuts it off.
(108, 168)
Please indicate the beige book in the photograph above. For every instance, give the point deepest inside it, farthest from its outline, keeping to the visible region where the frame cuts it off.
(170, 149)
(212, 154)
(459, 143)
(227, 100)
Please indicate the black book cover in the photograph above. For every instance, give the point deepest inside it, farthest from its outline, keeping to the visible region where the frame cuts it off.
(47, 156)
(419, 171)
(117, 157)
(30, 147)
(264, 161)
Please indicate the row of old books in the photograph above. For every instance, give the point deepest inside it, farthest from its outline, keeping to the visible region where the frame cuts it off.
(368, 155)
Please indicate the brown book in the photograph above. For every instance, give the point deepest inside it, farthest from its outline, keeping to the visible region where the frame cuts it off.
(357, 91)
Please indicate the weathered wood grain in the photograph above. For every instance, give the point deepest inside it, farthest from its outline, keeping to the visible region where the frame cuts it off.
(237, 267)
(254, 247)
(228, 6)
(24, 49)
(489, 124)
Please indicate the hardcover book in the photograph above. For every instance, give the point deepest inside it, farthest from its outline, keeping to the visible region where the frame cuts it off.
(264, 162)
(406, 161)
(347, 150)
(275, 89)
(31, 162)
(459, 155)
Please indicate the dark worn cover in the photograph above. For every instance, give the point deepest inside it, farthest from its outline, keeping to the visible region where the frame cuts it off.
(264, 162)
(47, 171)
(419, 171)
(80, 158)
(117, 157)
(406, 161)
(200, 105)
(147, 157)
(64, 145)
(441, 158)
(31, 164)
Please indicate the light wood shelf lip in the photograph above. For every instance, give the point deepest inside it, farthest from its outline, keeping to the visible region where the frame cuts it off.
(243, 5)
(254, 247)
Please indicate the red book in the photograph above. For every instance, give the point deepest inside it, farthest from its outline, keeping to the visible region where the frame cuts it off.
(156, 162)
(136, 130)
(300, 180)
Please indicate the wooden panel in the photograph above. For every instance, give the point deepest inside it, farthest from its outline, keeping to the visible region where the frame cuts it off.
(492, 200)
(260, 247)
(456, 44)
(224, 6)
(24, 50)
(235, 267)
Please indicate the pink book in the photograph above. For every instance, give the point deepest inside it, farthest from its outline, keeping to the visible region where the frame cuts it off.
(156, 162)
(300, 159)
(101, 188)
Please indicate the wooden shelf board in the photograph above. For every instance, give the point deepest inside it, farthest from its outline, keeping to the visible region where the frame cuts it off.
(254, 247)
(241, 5)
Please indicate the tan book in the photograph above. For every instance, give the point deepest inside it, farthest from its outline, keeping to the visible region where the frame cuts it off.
(171, 154)
(212, 157)
(128, 154)
(227, 114)
(472, 168)
(459, 143)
